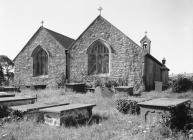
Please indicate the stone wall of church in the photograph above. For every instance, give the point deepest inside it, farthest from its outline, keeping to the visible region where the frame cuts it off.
(56, 61)
(126, 59)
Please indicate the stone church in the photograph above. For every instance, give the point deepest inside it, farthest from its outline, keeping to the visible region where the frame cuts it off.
(101, 50)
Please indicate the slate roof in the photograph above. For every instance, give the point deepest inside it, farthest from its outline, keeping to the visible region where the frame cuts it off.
(150, 56)
(62, 39)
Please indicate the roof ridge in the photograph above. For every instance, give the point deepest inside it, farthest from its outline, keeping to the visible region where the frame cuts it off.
(65, 41)
(57, 33)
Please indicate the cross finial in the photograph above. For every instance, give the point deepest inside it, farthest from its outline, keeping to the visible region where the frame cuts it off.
(100, 9)
(42, 22)
(145, 32)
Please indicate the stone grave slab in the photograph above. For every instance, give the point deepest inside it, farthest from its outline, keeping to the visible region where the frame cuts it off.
(76, 87)
(58, 116)
(92, 90)
(9, 89)
(15, 101)
(31, 111)
(156, 110)
(5, 94)
(124, 90)
(37, 106)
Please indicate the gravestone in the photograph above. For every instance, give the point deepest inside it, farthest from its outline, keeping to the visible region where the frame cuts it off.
(5, 94)
(15, 101)
(76, 87)
(124, 90)
(9, 89)
(63, 115)
(31, 111)
(158, 110)
(158, 86)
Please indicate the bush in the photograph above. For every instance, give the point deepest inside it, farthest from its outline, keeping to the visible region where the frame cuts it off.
(98, 82)
(110, 83)
(61, 80)
(4, 111)
(105, 82)
(126, 106)
(182, 84)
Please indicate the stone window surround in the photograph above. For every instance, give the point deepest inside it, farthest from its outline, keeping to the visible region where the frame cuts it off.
(110, 56)
(34, 52)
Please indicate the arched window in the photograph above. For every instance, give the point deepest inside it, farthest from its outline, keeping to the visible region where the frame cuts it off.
(98, 59)
(40, 62)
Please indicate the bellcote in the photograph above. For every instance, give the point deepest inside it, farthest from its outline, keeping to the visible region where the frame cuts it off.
(146, 44)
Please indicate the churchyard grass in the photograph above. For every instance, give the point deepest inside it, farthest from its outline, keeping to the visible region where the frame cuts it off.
(112, 124)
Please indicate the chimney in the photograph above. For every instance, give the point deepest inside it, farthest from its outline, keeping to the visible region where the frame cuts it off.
(163, 61)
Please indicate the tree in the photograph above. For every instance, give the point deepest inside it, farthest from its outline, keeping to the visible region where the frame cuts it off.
(1, 75)
(7, 66)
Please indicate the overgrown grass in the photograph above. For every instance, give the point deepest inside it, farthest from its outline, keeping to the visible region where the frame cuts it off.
(113, 124)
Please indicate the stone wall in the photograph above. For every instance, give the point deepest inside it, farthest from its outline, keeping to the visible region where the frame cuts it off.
(126, 57)
(56, 61)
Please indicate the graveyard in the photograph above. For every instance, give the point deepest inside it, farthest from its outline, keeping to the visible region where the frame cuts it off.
(105, 120)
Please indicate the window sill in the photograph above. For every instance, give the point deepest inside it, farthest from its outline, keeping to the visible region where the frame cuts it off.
(41, 76)
(101, 75)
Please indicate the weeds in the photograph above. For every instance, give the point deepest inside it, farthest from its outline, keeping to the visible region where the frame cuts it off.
(106, 122)
(182, 84)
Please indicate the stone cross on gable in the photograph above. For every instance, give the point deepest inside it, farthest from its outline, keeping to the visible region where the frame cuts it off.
(145, 32)
(42, 22)
(100, 9)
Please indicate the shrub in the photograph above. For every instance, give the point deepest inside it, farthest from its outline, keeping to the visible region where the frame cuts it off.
(105, 82)
(61, 80)
(88, 85)
(110, 83)
(126, 106)
(98, 82)
(4, 111)
(182, 84)
(122, 82)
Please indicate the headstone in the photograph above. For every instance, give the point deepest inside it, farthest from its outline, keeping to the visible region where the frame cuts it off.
(158, 86)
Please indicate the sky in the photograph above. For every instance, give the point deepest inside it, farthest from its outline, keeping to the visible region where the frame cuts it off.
(169, 24)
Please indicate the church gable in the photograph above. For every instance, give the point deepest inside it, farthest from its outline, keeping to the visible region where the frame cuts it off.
(125, 56)
(42, 59)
